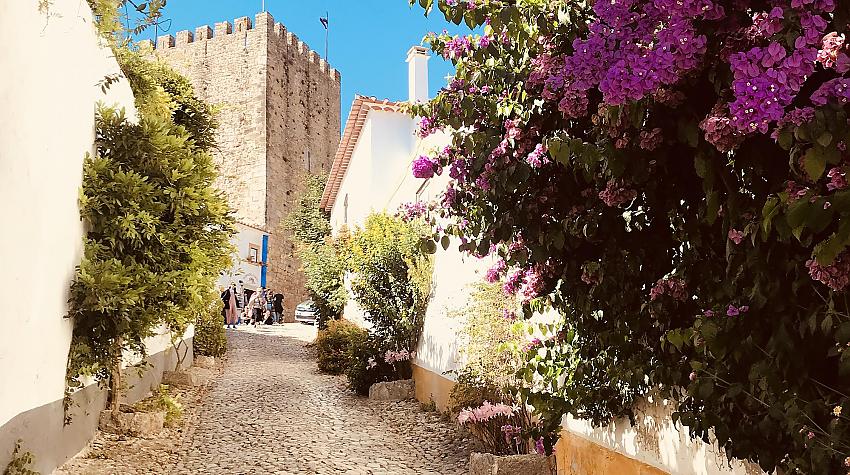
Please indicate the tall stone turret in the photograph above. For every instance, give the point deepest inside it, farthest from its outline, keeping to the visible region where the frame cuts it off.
(279, 115)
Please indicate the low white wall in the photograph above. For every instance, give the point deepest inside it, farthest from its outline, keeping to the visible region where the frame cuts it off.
(657, 441)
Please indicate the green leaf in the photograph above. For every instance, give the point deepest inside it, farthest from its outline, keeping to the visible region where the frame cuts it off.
(825, 139)
(444, 242)
(814, 163)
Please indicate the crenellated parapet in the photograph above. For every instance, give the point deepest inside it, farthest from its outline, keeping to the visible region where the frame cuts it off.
(238, 31)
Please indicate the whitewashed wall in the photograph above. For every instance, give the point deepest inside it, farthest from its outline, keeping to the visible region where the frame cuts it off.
(52, 64)
(657, 441)
(243, 269)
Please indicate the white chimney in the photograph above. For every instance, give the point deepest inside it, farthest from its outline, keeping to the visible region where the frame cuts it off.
(417, 70)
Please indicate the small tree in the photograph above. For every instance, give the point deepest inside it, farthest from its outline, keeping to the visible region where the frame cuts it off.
(158, 231)
(391, 278)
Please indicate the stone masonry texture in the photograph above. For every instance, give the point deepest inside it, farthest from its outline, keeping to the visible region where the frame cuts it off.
(279, 116)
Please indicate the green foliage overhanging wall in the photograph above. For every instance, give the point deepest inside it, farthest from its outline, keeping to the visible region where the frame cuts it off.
(158, 231)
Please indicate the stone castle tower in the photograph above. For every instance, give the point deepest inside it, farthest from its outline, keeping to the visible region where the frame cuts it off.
(279, 116)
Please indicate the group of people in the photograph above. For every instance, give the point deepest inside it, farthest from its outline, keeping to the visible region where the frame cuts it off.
(241, 305)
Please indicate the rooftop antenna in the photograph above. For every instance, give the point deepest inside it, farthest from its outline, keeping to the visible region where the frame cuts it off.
(264, 6)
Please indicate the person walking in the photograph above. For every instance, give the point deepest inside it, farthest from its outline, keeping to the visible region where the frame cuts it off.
(269, 308)
(278, 307)
(240, 302)
(255, 306)
(225, 299)
(232, 310)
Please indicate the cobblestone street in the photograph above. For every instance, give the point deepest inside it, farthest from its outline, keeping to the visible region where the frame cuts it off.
(271, 411)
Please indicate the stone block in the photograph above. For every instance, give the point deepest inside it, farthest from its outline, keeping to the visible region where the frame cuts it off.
(207, 362)
(137, 424)
(392, 390)
(179, 378)
(489, 464)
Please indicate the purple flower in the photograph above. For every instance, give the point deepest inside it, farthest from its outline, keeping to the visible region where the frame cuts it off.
(539, 447)
(425, 167)
(736, 236)
(495, 272)
(732, 311)
(708, 313)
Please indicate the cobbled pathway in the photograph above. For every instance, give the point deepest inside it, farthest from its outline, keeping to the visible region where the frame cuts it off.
(271, 411)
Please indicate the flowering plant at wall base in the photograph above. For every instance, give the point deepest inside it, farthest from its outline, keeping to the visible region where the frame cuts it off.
(501, 428)
(671, 177)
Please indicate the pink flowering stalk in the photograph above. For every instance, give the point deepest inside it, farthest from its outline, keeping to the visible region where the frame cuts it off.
(393, 357)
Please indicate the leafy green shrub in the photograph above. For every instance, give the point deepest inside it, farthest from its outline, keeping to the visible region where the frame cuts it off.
(162, 400)
(366, 365)
(391, 278)
(21, 463)
(210, 338)
(320, 255)
(333, 345)
(158, 230)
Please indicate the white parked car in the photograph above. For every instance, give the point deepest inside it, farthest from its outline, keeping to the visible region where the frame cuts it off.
(306, 312)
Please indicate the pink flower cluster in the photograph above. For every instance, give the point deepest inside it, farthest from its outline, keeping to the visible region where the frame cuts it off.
(457, 47)
(617, 194)
(673, 287)
(534, 282)
(426, 167)
(395, 356)
(836, 275)
(411, 211)
(495, 273)
(427, 126)
(736, 236)
(650, 139)
(719, 130)
(837, 180)
(486, 412)
(832, 44)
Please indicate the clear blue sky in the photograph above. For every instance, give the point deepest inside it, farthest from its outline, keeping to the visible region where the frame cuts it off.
(368, 38)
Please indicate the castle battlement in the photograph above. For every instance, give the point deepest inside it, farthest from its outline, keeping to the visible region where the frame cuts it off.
(237, 30)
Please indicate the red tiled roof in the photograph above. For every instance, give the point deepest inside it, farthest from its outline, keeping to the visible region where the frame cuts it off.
(353, 126)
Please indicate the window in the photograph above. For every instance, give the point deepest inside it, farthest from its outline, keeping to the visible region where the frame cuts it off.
(345, 210)
(253, 253)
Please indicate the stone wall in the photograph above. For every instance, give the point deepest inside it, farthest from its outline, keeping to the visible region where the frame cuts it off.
(303, 111)
(279, 119)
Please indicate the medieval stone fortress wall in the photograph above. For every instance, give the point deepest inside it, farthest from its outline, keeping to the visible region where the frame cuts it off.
(279, 115)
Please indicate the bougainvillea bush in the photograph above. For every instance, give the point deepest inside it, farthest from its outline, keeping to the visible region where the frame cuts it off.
(671, 177)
